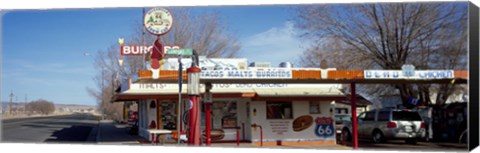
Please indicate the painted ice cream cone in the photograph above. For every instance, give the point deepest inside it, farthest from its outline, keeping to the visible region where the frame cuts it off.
(155, 73)
(156, 59)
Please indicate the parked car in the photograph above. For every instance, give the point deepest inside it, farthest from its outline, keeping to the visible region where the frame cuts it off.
(339, 119)
(387, 124)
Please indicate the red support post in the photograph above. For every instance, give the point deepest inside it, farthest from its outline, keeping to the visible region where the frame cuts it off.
(354, 116)
(191, 119)
(207, 123)
(238, 136)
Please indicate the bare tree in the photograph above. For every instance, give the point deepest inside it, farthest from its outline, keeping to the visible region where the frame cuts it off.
(41, 107)
(387, 36)
(203, 32)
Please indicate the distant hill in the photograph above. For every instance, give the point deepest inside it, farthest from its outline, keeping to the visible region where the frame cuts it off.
(75, 105)
(60, 105)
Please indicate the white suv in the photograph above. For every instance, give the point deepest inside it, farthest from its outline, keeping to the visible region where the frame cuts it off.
(383, 124)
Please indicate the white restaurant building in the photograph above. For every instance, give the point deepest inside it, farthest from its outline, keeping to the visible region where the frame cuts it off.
(289, 114)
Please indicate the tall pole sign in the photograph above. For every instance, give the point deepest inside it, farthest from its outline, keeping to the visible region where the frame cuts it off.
(157, 21)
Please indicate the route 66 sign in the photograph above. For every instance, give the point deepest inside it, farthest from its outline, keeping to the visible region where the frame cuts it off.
(158, 21)
(324, 127)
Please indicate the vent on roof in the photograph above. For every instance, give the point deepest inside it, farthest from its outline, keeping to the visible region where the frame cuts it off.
(260, 64)
(285, 65)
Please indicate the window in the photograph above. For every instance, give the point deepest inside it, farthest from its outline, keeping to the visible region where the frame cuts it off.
(369, 116)
(169, 115)
(383, 116)
(279, 110)
(224, 114)
(361, 116)
(315, 107)
(341, 110)
(406, 116)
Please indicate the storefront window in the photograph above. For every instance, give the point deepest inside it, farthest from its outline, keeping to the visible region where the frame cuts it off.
(224, 114)
(315, 107)
(279, 110)
(169, 117)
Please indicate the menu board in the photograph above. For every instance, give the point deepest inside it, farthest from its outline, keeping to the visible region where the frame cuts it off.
(229, 123)
(224, 114)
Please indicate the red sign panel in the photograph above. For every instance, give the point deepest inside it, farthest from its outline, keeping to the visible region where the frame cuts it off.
(142, 50)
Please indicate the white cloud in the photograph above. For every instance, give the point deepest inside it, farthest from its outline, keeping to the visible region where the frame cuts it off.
(278, 44)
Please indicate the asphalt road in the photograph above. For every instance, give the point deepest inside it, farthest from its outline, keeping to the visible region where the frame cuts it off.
(74, 128)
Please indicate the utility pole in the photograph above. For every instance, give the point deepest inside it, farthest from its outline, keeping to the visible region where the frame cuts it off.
(25, 107)
(10, 106)
(16, 101)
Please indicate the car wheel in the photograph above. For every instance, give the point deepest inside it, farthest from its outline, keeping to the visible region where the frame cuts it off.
(411, 141)
(377, 136)
(346, 135)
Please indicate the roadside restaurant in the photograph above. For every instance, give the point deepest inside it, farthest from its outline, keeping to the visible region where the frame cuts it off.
(287, 113)
(261, 105)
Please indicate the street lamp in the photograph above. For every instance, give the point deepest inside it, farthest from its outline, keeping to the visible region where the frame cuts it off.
(193, 92)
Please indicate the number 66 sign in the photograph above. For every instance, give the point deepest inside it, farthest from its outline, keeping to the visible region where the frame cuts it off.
(324, 127)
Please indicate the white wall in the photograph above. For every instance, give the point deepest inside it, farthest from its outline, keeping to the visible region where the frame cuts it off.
(299, 108)
(148, 115)
(242, 118)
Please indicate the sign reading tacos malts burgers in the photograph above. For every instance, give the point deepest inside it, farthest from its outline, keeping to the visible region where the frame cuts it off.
(158, 21)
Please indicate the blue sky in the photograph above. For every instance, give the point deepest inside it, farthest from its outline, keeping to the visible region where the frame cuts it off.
(42, 50)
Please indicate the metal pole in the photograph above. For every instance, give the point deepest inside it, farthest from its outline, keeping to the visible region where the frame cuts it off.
(179, 105)
(354, 116)
(207, 123)
(25, 107)
(11, 99)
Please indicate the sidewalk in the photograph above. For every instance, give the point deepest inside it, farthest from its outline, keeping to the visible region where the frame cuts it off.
(110, 133)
